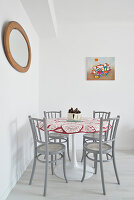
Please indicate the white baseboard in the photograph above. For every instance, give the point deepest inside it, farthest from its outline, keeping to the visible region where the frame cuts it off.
(8, 190)
(11, 186)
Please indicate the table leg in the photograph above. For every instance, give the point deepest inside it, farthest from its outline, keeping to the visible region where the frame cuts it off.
(74, 159)
(74, 169)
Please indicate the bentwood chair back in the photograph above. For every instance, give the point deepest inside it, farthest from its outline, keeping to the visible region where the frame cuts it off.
(91, 136)
(99, 114)
(52, 114)
(60, 137)
(102, 146)
(38, 135)
(43, 147)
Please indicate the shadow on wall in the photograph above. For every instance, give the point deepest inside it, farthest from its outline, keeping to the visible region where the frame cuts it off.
(20, 145)
(2, 33)
(125, 137)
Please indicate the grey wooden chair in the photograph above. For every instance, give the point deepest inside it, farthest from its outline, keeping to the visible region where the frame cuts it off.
(91, 136)
(53, 137)
(102, 147)
(43, 148)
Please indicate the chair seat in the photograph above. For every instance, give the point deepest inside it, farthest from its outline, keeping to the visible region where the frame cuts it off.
(57, 135)
(53, 148)
(92, 136)
(94, 147)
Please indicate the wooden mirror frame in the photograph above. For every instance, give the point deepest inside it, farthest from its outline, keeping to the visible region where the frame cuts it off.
(10, 26)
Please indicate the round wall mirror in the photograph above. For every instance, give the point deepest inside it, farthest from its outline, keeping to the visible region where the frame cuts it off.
(17, 47)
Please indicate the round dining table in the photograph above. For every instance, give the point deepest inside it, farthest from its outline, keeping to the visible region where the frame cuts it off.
(74, 169)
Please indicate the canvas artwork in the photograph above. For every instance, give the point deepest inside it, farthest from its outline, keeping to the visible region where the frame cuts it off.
(100, 68)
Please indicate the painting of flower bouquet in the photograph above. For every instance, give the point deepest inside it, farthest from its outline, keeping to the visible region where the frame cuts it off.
(100, 68)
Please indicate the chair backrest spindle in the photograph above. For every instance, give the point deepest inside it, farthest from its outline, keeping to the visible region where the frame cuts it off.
(52, 114)
(110, 133)
(99, 114)
(38, 135)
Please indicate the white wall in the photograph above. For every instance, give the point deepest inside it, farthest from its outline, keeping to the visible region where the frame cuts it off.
(63, 77)
(18, 99)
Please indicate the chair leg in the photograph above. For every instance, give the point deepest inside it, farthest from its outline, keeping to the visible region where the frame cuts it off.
(52, 169)
(68, 149)
(55, 155)
(102, 174)
(64, 167)
(46, 175)
(83, 146)
(33, 170)
(55, 159)
(84, 165)
(95, 162)
(115, 168)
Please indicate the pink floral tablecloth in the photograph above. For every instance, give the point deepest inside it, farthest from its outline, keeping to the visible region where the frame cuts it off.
(87, 125)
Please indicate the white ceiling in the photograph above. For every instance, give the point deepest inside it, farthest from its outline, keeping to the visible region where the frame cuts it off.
(49, 15)
(86, 11)
(41, 15)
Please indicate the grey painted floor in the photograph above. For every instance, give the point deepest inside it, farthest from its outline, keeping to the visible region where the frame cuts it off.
(75, 190)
